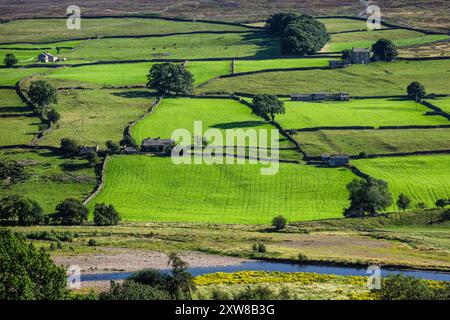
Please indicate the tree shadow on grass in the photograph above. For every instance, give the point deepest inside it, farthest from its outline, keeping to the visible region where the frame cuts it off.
(135, 94)
(268, 46)
(237, 125)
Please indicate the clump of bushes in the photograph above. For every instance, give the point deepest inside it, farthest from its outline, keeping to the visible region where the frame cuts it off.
(105, 215)
(20, 210)
(70, 212)
(52, 235)
(279, 222)
(259, 248)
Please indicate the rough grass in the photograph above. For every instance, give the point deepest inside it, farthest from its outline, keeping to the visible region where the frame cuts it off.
(367, 112)
(49, 184)
(180, 113)
(373, 141)
(19, 129)
(42, 30)
(96, 116)
(368, 80)
(144, 188)
(400, 37)
(422, 178)
(255, 65)
(252, 44)
(133, 73)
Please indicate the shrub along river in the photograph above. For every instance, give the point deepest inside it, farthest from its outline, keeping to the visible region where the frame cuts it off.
(282, 267)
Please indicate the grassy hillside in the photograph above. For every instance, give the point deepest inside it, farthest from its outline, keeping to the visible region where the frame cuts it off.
(422, 178)
(255, 65)
(146, 188)
(443, 103)
(367, 112)
(9, 77)
(132, 73)
(43, 30)
(49, 183)
(180, 113)
(374, 79)
(365, 39)
(19, 129)
(96, 116)
(373, 141)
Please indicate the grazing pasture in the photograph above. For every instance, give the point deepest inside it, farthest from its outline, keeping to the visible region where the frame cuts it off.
(442, 103)
(19, 129)
(366, 112)
(353, 142)
(132, 74)
(45, 30)
(96, 116)
(49, 183)
(9, 77)
(359, 80)
(180, 113)
(341, 24)
(422, 178)
(251, 44)
(365, 39)
(145, 188)
(255, 65)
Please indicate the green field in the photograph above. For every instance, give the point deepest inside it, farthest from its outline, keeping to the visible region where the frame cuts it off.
(255, 65)
(144, 188)
(49, 183)
(422, 178)
(400, 37)
(367, 112)
(96, 116)
(340, 25)
(132, 73)
(180, 113)
(41, 30)
(353, 142)
(442, 103)
(9, 77)
(19, 129)
(254, 44)
(360, 80)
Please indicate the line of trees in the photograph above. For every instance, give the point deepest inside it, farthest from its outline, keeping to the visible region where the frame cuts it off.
(300, 34)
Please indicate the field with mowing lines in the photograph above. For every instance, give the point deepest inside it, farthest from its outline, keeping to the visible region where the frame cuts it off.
(368, 80)
(49, 183)
(442, 103)
(373, 141)
(252, 44)
(255, 65)
(132, 74)
(367, 112)
(96, 116)
(180, 113)
(44, 30)
(145, 188)
(16, 130)
(9, 77)
(365, 39)
(422, 178)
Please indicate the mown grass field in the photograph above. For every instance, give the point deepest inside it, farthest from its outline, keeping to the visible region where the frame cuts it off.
(44, 30)
(365, 39)
(373, 141)
(255, 65)
(374, 79)
(422, 178)
(180, 113)
(366, 112)
(9, 77)
(251, 44)
(341, 24)
(19, 129)
(133, 74)
(144, 188)
(96, 116)
(49, 183)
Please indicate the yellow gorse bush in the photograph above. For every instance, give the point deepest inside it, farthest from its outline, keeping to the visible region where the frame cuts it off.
(254, 277)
